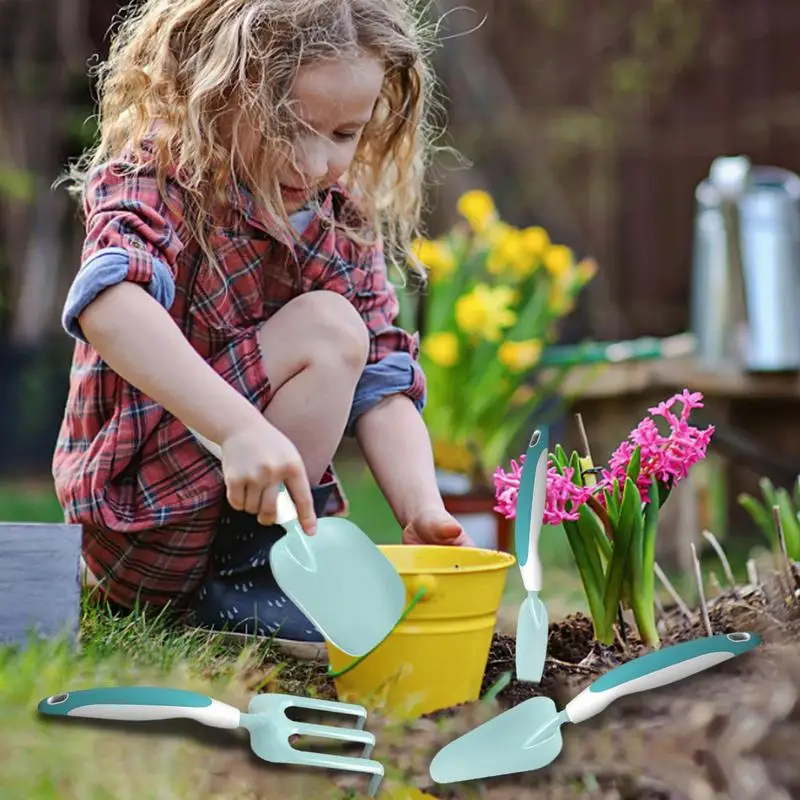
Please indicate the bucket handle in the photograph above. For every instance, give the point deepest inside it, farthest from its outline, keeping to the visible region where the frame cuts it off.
(424, 585)
(420, 593)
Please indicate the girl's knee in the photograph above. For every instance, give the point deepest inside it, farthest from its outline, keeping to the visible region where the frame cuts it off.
(332, 326)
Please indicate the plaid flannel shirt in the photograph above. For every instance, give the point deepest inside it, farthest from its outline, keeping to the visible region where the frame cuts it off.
(147, 494)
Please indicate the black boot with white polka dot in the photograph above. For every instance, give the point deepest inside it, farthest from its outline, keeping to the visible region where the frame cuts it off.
(241, 596)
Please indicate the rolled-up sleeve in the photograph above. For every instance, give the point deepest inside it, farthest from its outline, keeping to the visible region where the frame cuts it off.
(392, 365)
(131, 234)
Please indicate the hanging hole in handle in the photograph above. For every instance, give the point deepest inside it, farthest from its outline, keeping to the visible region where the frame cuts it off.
(57, 699)
(534, 438)
(739, 637)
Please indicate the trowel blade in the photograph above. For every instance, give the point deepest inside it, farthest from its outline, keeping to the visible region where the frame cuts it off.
(532, 632)
(524, 738)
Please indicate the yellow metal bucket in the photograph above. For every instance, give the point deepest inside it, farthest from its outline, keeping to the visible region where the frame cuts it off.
(436, 657)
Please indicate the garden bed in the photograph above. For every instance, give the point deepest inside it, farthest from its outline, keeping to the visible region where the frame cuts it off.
(729, 733)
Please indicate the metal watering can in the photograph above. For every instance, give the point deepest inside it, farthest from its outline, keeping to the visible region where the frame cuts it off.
(746, 267)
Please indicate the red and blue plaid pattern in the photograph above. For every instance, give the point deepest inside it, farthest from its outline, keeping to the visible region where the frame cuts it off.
(146, 493)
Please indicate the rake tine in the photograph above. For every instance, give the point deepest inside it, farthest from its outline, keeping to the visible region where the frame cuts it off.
(332, 732)
(333, 707)
(345, 764)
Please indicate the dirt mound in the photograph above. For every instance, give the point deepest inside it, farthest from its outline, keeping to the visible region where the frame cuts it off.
(729, 733)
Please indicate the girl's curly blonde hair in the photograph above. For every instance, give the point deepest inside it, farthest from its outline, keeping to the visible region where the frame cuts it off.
(177, 69)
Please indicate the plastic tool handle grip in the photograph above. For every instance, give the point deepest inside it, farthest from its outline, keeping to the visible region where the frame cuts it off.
(530, 508)
(141, 704)
(657, 669)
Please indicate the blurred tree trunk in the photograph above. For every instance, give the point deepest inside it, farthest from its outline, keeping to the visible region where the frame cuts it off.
(43, 46)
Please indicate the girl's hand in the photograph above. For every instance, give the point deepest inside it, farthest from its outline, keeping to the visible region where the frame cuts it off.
(255, 459)
(436, 526)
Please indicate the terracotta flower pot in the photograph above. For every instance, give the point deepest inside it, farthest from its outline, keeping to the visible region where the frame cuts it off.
(486, 527)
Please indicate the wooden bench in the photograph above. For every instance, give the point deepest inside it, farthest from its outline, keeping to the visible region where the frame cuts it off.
(763, 407)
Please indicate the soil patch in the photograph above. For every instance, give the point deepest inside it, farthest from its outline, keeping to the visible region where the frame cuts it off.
(731, 732)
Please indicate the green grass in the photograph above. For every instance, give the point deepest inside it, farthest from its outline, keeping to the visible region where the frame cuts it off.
(50, 760)
(43, 759)
(47, 760)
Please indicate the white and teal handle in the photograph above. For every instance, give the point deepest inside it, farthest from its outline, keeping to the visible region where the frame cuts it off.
(141, 704)
(530, 509)
(657, 669)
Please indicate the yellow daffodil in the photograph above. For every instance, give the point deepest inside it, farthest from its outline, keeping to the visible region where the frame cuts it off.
(478, 209)
(519, 356)
(452, 457)
(509, 254)
(558, 260)
(496, 232)
(441, 348)
(436, 257)
(535, 240)
(485, 311)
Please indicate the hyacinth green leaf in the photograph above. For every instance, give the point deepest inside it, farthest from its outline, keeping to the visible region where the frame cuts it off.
(768, 490)
(592, 535)
(643, 602)
(635, 464)
(561, 457)
(626, 533)
(789, 523)
(575, 464)
(592, 584)
(759, 514)
(612, 502)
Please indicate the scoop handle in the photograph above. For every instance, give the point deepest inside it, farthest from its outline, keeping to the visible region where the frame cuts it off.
(530, 509)
(657, 669)
(141, 704)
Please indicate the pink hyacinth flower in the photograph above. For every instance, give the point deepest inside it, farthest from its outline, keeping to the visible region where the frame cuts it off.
(563, 498)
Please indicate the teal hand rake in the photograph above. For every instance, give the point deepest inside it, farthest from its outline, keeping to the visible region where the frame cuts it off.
(265, 721)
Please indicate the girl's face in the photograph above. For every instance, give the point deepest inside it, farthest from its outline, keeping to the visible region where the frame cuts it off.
(334, 101)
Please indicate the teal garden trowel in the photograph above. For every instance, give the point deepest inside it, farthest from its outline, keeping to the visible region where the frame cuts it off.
(528, 736)
(532, 623)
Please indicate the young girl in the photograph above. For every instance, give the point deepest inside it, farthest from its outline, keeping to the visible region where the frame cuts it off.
(254, 157)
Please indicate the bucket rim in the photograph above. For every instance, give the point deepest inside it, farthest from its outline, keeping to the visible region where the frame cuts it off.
(504, 560)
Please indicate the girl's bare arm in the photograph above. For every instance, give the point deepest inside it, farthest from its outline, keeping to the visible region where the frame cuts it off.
(138, 339)
(396, 445)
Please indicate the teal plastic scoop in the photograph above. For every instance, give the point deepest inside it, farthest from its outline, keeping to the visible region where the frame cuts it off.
(528, 736)
(339, 579)
(266, 721)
